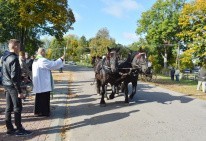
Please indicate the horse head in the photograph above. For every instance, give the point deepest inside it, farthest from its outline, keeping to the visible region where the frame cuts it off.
(139, 61)
(111, 59)
(93, 61)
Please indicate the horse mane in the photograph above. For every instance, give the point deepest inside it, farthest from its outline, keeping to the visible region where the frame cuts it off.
(133, 54)
(128, 62)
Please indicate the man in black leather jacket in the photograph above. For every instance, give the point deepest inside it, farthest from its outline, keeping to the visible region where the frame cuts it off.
(11, 80)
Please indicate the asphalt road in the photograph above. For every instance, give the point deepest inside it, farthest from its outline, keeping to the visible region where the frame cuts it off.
(155, 114)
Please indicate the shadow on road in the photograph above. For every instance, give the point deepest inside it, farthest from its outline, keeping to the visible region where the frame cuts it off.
(85, 105)
(143, 96)
(101, 119)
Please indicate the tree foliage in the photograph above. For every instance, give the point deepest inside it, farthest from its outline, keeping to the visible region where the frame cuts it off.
(8, 21)
(82, 47)
(193, 30)
(72, 45)
(56, 49)
(159, 25)
(98, 45)
(26, 20)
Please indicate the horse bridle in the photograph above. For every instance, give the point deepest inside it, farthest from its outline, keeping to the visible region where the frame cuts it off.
(138, 56)
(108, 56)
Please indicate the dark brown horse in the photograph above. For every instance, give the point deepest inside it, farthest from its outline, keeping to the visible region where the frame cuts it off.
(129, 70)
(106, 71)
(95, 60)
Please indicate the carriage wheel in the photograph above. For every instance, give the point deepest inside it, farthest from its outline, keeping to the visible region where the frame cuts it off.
(154, 77)
(142, 77)
(149, 77)
(106, 92)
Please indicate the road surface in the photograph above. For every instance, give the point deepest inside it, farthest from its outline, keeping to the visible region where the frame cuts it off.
(155, 114)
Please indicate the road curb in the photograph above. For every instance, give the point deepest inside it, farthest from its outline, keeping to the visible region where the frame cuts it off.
(59, 102)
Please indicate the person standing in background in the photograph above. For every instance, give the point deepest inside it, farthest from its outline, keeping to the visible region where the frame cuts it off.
(177, 74)
(172, 73)
(202, 78)
(26, 73)
(43, 82)
(29, 61)
(11, 81)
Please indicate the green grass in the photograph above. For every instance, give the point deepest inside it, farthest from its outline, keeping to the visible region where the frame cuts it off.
(167, 80)
(185, 86)
(85, 64)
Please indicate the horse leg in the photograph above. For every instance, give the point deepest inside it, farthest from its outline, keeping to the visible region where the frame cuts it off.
(117, 89)
(134, 87)
(126, 93)
(111, 96)
(102, 102)
(122, 85)
(98, 86)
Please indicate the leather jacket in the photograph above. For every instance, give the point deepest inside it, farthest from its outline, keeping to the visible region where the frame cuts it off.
(11, 71)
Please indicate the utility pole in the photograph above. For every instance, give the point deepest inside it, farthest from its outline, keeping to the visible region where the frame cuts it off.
(64, 55)
(178, 56)
(165, 55)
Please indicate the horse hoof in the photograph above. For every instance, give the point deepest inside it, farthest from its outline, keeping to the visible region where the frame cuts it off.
(111, 97)
(102, 105)
(131, 97)
(126, 103)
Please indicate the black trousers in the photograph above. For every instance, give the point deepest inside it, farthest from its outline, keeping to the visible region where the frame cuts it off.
(172, 77)
(61, 70)
(42, 104)
(13, 103)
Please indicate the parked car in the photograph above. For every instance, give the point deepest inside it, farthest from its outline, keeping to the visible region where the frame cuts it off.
(71, 63)
(196, 69)
(187, 71)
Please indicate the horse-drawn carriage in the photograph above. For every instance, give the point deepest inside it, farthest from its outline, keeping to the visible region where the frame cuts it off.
(109, 71)
(149, 75)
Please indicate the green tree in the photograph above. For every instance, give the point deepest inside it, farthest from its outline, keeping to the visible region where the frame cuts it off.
(143, 44)
(56, 49)
(159, 25)
(71, 45)
(19, 18)
(8, 21)
(98, 45)
(82, 47)
(123, 52)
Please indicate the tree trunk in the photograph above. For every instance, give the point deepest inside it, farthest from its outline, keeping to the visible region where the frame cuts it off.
(165, 59)
(22, 36)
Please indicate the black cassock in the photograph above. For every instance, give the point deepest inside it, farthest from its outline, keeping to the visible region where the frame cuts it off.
(42, 104)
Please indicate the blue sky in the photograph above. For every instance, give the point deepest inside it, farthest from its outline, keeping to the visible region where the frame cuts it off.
(118, 16)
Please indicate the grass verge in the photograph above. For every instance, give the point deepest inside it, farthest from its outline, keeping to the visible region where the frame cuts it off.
(187, 87)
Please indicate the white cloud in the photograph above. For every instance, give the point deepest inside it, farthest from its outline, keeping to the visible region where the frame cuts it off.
(120, 8)
(130, 36)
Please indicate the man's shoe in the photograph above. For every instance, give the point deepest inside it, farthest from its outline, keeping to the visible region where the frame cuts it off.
(23, 132)
(11, 132)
